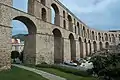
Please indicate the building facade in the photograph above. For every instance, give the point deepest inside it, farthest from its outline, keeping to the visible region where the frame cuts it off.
(66, 39)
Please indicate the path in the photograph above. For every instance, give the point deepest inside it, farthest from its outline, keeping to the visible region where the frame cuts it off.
(42, 73)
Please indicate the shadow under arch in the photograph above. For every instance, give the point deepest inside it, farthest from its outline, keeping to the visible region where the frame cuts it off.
(58, 46)
(29, 56)
(101, 45)
(81, 47)
(106, 45)
(72, 46)
(94, 46)
(86, 47)
(90, 47)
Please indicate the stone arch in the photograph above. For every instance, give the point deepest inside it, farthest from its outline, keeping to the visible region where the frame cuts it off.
(64, 24)
(56, 14)
(84, 32)
(86, 47)
(81, 47)
(99, 36)
(113, 38)
(75, 29)
(90, 48)
(63, 14)
(28, 22)
(30, 40)
(72, 46)
(58, 46)
(44, 13)
(106, 37)
(93, 35)
(43, 2)
(94, 46)
(100, 45)
(70, 23)
(109, 38)
(106, 45)
(78, 28)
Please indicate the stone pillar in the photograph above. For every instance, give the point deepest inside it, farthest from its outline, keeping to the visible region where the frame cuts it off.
(98, 46)
(5, 34)
(88, 44)
(92, 47)
(77, 49)
(44, 49)
(30, 49)
(84, 50)
(67, 51)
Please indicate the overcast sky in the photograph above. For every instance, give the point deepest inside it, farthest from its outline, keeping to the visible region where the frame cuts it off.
(99, 14)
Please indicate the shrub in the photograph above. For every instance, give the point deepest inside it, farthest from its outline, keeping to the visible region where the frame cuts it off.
(107, 66)
(14, 54)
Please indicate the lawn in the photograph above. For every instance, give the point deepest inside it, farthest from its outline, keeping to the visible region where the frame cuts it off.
(19, 74)
(68, 76)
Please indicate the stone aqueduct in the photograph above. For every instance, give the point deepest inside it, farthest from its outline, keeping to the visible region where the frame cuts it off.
(68, 38)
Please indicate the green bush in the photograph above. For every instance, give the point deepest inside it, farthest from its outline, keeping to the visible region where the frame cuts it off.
(65, 69)
(107, 66)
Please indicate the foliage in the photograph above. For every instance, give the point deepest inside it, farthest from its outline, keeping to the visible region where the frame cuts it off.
(107, 66)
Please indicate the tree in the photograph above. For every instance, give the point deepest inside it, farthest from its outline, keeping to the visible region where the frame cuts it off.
(14, 54)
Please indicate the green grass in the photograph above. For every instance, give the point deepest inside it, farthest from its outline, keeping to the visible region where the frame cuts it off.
(68, 76)
(19, 74)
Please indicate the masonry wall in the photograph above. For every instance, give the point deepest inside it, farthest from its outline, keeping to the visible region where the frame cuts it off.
(5, 36)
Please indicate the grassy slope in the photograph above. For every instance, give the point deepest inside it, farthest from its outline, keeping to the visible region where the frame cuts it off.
(68, 76)
(19, 74)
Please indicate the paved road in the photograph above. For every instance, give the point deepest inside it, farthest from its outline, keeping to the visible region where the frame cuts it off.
(42, 73)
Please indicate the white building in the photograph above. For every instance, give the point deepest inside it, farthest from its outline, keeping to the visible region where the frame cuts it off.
(17, 45)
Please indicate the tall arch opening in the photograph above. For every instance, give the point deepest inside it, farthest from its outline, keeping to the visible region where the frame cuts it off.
(64, 24)
(55, 14)
(78, 28)
(101, 45)
(81, 47)
(84, 32)
(72, 47)
(94, 46)
(70, 23)
(113, 38)
(106, 37)
(29, 39)
(86, 47)
(88, 33)
(58, 46)
(93, 35)
(99, 36)
(44, 18)
(106, 45)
